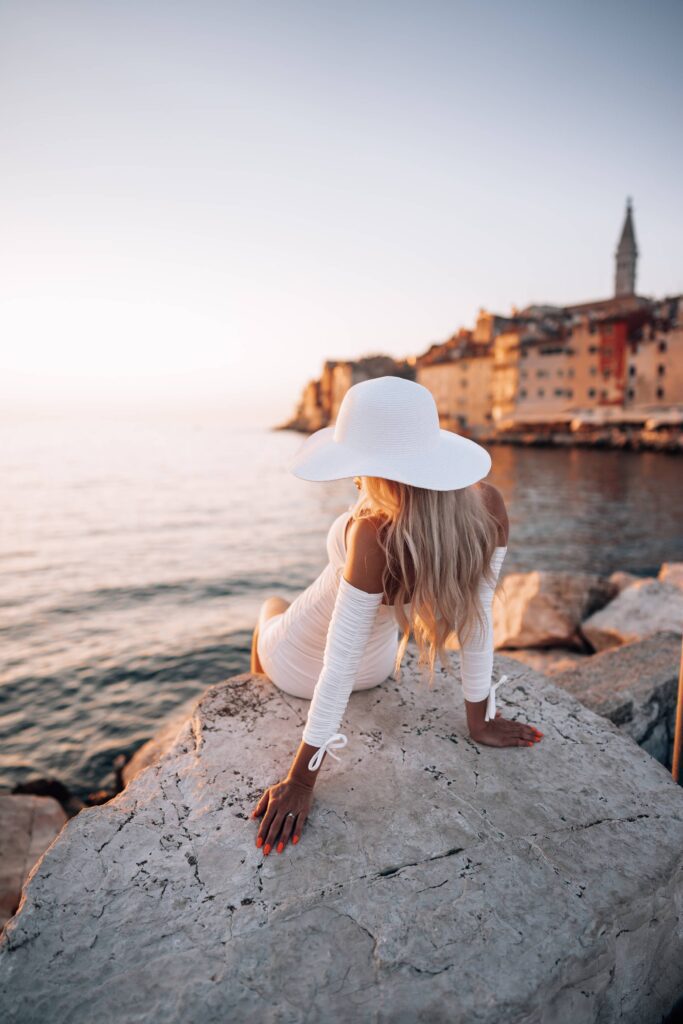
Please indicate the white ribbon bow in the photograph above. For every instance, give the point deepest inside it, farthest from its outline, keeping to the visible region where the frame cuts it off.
(491, 703)
(336, 740)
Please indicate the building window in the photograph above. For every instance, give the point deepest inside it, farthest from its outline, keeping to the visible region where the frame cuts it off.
(560, 373)
(631, 370)
(604, 393)
(606, 373)
(570, 393)
(593, 370)
(631, 392)
(662, 346)
(524, 353)
(541, 392)
(559, 392)
(660, 392)
(570, 371)
(661, 370)
(592, 349)
(523, 373)
(463, 383)
(522, 392)
(591, 392)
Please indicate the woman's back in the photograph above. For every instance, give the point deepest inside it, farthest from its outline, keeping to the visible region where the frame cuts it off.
(291, 644)
(337, 549)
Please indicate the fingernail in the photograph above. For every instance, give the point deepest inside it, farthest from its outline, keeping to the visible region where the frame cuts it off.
(280, 847)
(295, 839)
(267, 848)
(259, 841)
(530, 743)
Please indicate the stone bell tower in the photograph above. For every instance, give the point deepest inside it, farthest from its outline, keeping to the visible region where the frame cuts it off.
(626, 256)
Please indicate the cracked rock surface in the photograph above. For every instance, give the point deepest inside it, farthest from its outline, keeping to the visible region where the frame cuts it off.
(436, 880)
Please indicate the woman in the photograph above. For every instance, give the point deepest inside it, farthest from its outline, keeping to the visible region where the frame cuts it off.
(420, 550)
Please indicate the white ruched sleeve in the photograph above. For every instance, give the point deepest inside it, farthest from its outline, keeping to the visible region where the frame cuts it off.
(350, 626)
(476, 654)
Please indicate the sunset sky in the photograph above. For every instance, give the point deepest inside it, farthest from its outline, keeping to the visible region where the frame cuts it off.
(202, 201)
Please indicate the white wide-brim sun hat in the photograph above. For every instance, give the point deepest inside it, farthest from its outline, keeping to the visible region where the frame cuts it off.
(389, 427)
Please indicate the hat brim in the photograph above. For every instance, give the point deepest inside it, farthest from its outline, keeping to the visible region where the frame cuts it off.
(454, 461)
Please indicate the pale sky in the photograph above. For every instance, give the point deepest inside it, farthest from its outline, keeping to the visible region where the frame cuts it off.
(201, 202)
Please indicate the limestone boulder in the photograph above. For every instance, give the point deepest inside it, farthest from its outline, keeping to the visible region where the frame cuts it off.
(156, 747)
(621, 579)
(545, 609)
(28, 824)
(436, 880)
(672, 572)
(548, 660)
(646, 607)
(635, 685)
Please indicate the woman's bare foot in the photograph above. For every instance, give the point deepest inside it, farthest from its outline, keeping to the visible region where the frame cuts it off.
(504, 732)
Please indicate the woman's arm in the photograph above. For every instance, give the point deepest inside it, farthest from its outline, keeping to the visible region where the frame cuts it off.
(476, 654)
(286, 804)
(355, 611)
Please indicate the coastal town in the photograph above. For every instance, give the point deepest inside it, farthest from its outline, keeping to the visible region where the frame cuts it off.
(607, 372)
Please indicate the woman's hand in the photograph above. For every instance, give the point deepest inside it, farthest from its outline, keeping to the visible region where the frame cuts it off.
(277, 801)
(503, 732)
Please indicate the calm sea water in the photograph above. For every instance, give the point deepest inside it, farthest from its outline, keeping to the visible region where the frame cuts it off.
(135, 555)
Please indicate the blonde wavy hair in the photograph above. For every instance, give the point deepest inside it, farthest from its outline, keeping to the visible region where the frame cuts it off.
(438, 547)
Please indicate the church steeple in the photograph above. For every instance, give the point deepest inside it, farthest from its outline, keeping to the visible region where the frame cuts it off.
(626, 256)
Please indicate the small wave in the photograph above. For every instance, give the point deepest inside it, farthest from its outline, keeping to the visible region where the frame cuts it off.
(178, 592)
(208, 662)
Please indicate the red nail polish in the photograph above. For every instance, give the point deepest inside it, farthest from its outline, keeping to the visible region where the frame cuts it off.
(295, 839)
(530, 743)
(267, 848)
(259, 841)
(280, 847)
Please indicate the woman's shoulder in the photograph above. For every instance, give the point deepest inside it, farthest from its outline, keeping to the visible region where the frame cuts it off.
(365, 557)
(495, 505)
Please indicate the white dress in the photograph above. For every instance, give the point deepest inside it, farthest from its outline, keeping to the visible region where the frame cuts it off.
(291, 644)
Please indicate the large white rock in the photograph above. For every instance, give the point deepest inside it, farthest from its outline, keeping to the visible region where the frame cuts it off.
(436, 880)
(548, 660)
(672, 572)
(635, 685)
(28, 824)
(545, 609)
(157, 746)
(622, 579)
(640, 610)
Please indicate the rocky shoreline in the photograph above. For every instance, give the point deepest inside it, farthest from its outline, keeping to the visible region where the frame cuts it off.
(435, 880)
(589, 658)
(668, 440)
(613, 642)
